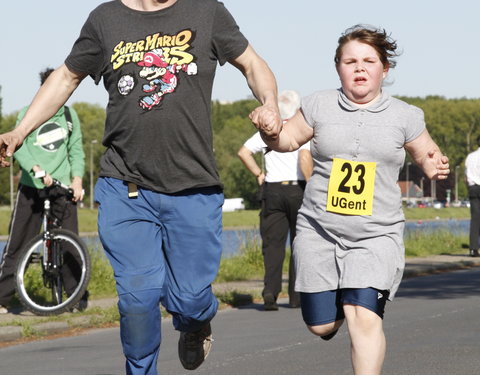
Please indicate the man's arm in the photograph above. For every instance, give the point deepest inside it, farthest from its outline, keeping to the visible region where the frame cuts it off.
(259, 77)
(247, 158)
(261, 81)
(23, 155)
(50, 97)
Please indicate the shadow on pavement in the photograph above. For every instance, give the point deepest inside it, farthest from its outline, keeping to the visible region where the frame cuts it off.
(443, 286)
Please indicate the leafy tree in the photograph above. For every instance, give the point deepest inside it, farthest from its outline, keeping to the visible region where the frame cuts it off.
(92, 122)
(223, 111)
(234, 131)
(231, 128)
(7, 124)
(1, 101)
(453, 123)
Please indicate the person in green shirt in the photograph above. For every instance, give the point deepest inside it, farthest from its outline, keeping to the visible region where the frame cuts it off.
(56, 149)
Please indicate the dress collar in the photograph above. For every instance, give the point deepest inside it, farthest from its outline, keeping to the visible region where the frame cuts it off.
(380, 105)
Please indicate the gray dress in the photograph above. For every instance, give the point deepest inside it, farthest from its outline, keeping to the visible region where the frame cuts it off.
(356, 249)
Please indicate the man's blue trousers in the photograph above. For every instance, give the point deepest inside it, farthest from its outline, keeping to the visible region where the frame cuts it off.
(164, 248)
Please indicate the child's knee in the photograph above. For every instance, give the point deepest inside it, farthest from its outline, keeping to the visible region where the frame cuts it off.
(324, 329)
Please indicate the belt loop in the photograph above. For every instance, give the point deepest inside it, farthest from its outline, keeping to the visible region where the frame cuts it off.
(132, 190)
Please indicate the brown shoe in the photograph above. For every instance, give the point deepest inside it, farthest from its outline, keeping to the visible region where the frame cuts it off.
(194, 347)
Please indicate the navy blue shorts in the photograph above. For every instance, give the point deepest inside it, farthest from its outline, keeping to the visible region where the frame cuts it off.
(327, 307)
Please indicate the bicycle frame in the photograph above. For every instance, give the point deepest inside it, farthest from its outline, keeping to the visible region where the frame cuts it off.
(50, 255)
(46, 232)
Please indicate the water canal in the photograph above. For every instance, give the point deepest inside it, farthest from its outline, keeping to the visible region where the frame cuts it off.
(233, 239)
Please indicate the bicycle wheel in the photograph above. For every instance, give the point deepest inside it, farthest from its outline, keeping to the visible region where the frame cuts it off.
(41, 285)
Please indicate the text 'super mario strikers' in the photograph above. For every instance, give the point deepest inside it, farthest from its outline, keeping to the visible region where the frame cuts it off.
(159, 59)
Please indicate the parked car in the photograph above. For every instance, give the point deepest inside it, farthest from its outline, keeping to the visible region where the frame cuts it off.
(438, 205)
(456, 204)
(233, 204)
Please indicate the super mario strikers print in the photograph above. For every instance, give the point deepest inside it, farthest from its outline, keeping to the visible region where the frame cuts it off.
(159, 61)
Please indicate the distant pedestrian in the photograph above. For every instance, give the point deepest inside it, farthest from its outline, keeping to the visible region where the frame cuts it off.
(348, 250)
(472, 175)
(54, 150)
(282, 188)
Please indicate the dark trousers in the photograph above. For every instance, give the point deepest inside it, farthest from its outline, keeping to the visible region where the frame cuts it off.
(24, 225)
(474, 197)
(278, 218)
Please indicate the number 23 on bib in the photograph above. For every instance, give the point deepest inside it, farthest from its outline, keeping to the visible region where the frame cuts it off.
(351, 186)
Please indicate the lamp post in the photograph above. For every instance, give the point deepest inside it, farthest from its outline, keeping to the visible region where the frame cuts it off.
(433, 189)
(11, 185)
(92, 142)
(456, 183)
(408, 185)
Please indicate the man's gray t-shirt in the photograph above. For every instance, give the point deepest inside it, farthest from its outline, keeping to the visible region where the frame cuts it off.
(158, 68)
(355, 250)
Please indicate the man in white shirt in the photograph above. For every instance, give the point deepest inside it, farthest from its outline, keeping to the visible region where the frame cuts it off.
(472, 175)
(282, 195)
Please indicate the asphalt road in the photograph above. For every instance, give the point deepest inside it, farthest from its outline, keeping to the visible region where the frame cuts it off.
(432, 328)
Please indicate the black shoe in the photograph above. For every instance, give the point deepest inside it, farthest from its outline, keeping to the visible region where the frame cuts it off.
(474, 253)
(269, 302)
(294, 301)
(83, 303)
(194, 347)
(329, 336)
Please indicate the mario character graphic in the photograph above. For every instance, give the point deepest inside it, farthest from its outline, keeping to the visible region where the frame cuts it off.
(161, 77)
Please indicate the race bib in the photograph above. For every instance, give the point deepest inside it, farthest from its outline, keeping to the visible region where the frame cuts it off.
(351, 185)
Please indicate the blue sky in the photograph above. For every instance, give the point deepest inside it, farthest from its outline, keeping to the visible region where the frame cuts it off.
(439, 40)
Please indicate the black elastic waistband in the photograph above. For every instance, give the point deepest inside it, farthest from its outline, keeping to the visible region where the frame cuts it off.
(294, 182)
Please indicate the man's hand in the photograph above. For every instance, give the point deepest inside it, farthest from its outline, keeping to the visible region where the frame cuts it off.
(267, 120)
(3, 156)
(78, 191)
(260, 179)
(9, 142)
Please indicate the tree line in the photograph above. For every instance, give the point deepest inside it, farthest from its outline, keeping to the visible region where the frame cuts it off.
(453, 123)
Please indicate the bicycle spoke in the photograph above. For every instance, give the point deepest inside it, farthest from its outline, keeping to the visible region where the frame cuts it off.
(40, 282)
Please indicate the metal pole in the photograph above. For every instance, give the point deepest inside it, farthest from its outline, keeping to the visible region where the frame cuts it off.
(456, 183)
(408, 184)
(91, 172)
(12, 195)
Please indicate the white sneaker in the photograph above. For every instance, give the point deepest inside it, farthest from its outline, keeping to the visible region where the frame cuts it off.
(3, 310)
